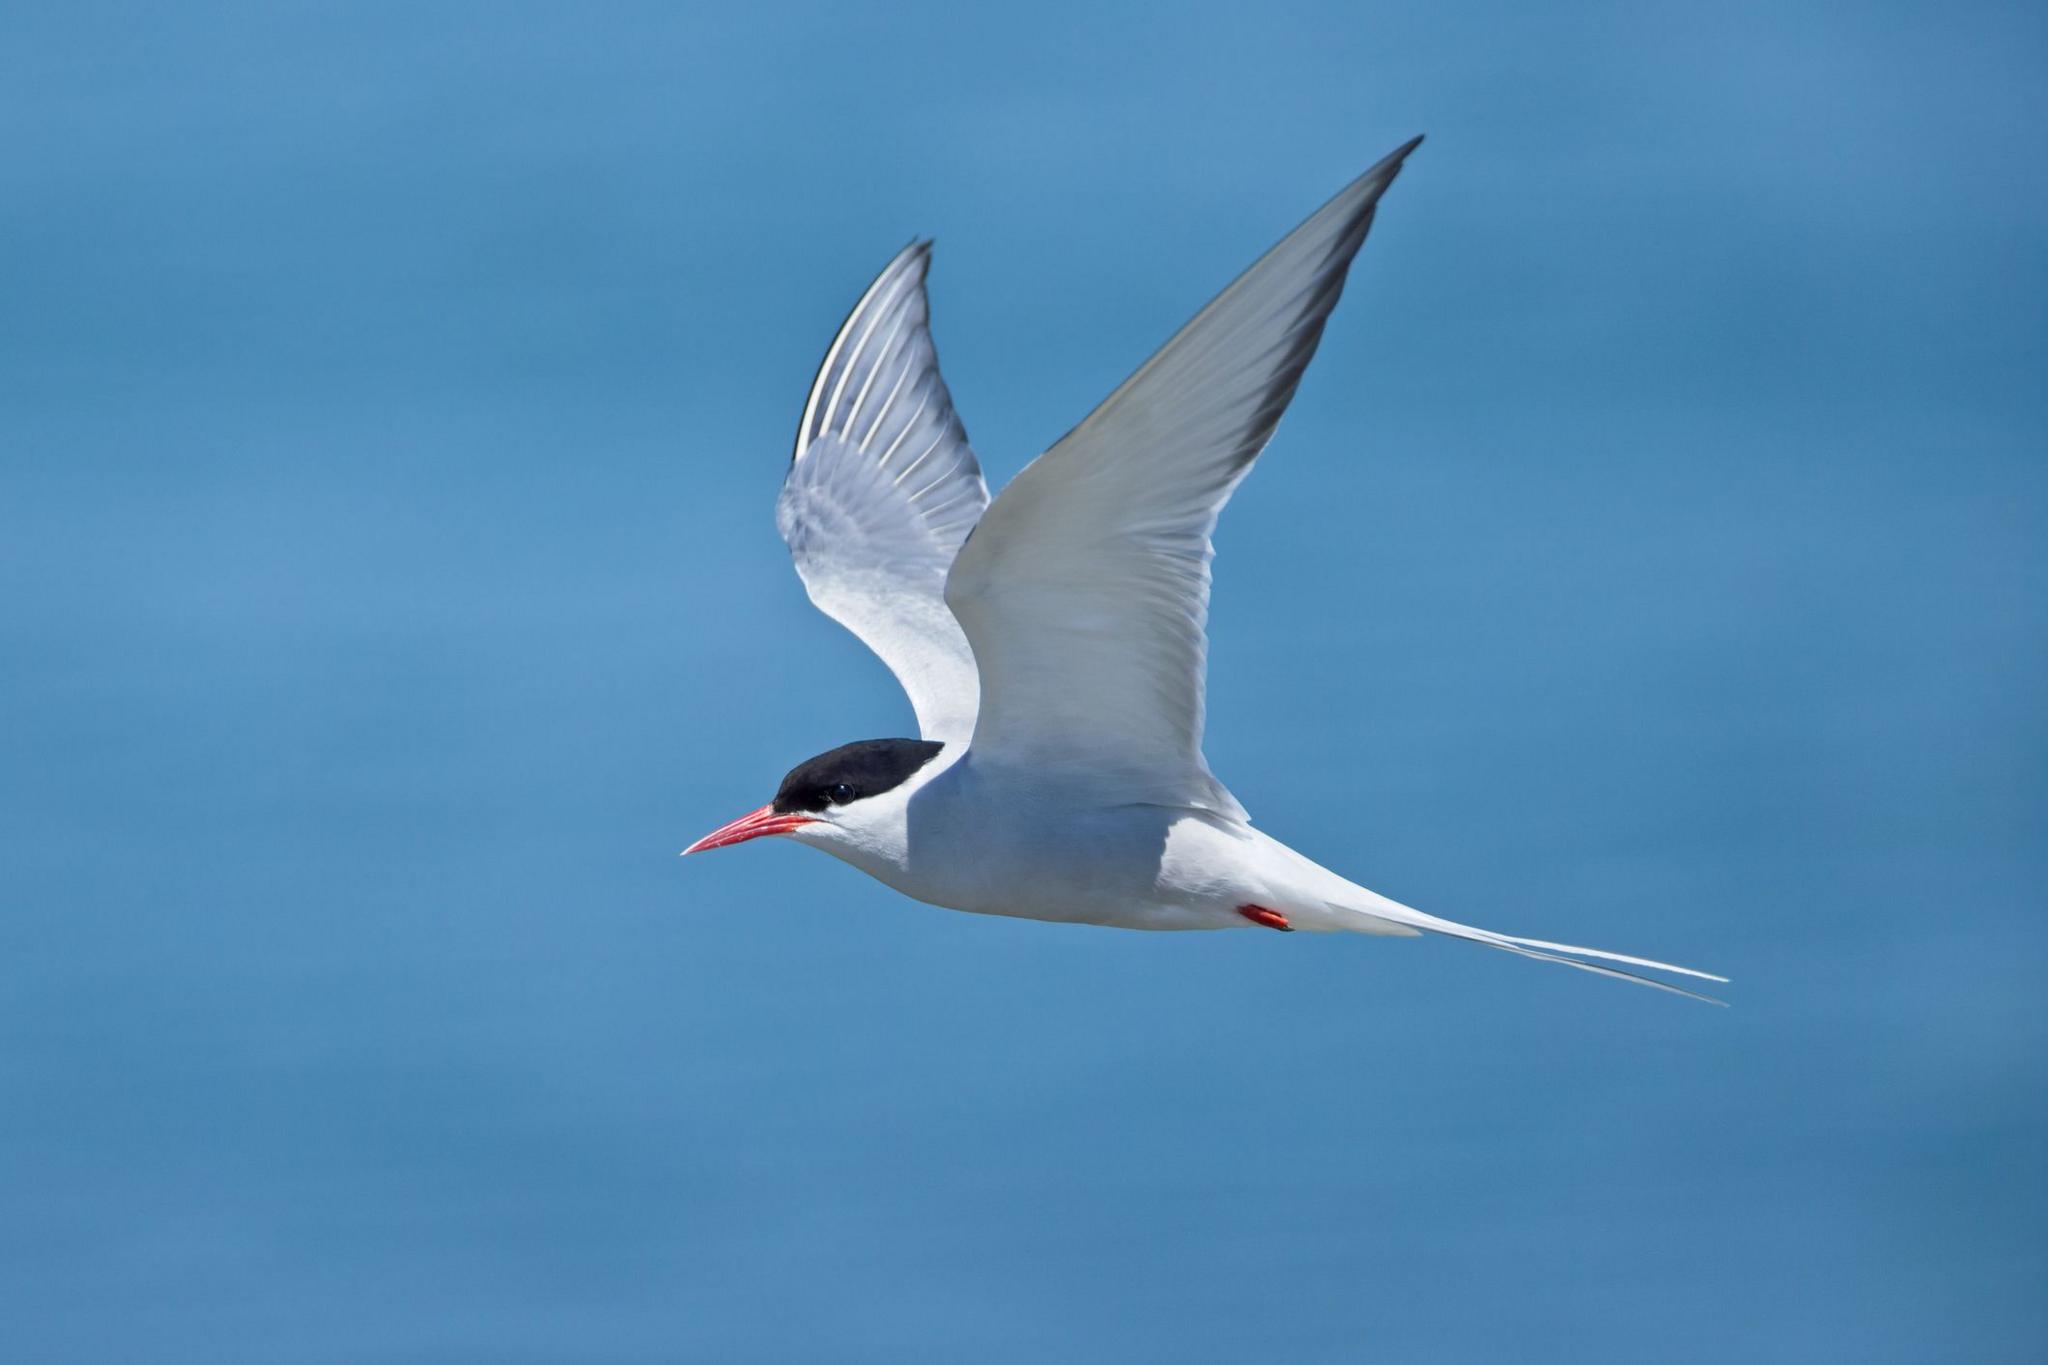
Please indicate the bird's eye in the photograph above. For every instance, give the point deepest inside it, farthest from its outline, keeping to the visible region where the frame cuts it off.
(841, 793)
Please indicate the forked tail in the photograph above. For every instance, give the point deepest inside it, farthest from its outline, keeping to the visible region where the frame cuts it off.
(1378, 907)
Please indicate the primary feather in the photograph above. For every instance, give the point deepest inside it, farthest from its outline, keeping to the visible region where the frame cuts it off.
(1085, 590)
(882, 489)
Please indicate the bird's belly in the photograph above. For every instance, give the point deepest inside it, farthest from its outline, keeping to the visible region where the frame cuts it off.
(1103, 866)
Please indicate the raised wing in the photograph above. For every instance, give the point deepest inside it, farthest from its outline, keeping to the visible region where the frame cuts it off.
(881, 491)
(1085, 589)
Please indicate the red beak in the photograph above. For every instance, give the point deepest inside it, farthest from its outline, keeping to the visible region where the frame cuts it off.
(752, 825)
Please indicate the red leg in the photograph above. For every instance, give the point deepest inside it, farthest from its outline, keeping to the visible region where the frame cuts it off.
(1272, 919)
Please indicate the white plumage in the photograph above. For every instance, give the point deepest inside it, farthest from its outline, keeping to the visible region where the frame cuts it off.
(1053, 642)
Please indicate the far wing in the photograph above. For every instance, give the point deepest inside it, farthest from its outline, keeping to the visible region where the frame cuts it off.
(1085, 590)
(881, 491)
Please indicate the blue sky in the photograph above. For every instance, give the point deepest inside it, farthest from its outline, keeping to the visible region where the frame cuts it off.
(392, 401)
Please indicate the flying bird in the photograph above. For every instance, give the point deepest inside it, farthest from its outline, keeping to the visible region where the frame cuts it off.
(1052, 641)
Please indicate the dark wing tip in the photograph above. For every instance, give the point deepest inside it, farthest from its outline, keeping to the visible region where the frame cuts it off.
(1387, 167)
(915, 258)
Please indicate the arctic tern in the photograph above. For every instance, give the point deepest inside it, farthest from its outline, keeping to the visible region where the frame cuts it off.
(1052, 641)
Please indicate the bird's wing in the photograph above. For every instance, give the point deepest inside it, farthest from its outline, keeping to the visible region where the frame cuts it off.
(881, 491)
(1085, 589)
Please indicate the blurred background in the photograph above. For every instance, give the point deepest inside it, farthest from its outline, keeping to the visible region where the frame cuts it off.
(392, 402)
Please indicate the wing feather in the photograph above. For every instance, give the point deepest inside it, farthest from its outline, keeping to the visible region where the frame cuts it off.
(882, 489)
(1085, 589)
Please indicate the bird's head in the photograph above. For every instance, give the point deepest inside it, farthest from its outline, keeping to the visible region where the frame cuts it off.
(844, 796)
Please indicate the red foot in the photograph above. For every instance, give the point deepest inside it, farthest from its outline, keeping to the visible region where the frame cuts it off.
(1272, 919)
